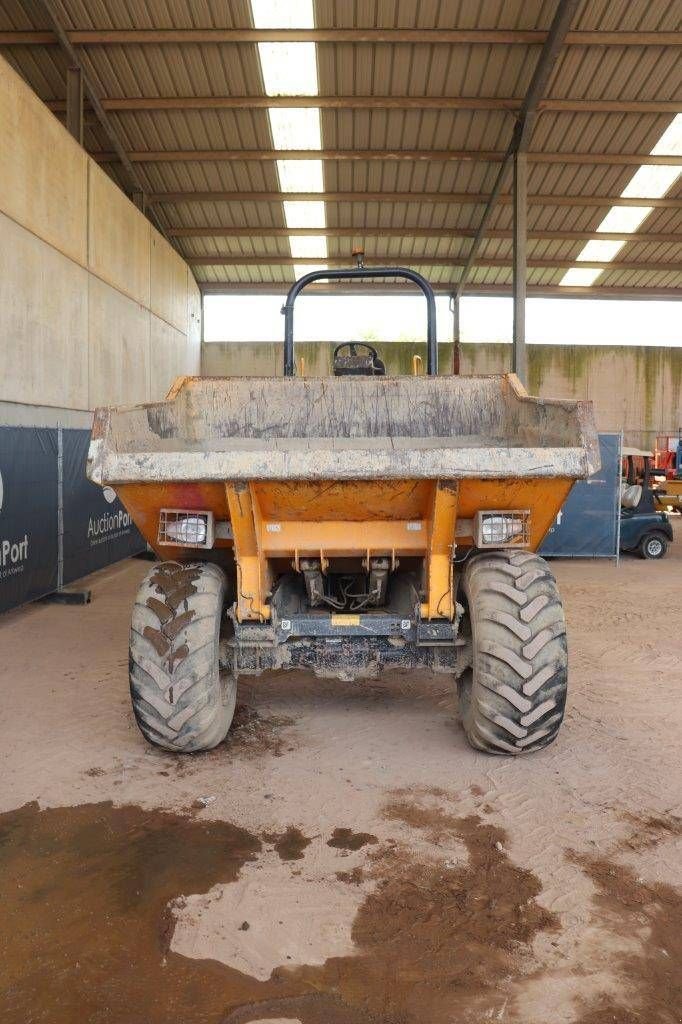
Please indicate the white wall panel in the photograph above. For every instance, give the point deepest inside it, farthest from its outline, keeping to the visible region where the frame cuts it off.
(169, 357)
(43, 322)
(43, 171)
(81, 270)
(119, 347)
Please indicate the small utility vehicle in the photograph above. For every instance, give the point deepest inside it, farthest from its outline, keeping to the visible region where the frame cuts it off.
(644, 529)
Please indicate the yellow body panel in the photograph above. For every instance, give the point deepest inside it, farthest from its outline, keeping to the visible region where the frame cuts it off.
(349, 500)
(543, 496)
(672, 497)
(326, 519)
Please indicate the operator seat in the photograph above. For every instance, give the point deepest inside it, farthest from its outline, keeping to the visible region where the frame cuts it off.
(357, 364)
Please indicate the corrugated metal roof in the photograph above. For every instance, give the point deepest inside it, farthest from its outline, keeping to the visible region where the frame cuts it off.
(489, 14)
(481, 70)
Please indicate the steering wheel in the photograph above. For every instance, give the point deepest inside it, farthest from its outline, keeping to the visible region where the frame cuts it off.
(353, 347)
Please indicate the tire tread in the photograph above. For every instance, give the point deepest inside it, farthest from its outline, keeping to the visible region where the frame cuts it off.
(181, 700)
(512, 696)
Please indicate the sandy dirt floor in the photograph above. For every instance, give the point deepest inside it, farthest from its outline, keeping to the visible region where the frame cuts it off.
(345, 856)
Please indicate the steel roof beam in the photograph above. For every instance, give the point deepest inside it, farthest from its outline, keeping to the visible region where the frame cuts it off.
(270, 260)
(559, 291)
(426, 155)
(393, 102)
(391, 36)
(462, 198)
(264, 231)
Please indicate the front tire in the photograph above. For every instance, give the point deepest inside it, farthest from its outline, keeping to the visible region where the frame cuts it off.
(513, 691)
(653, 545)
(181, 700)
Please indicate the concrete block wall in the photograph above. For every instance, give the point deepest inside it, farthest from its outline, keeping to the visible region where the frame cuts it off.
(96, 307)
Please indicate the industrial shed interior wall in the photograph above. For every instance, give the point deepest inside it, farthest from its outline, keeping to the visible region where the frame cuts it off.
(96, 308)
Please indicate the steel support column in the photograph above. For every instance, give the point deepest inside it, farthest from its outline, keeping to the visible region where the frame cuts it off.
(519, 356)
(74, 103)
(456, 338)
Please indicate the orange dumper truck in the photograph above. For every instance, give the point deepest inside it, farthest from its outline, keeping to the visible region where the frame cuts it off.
(347, 525)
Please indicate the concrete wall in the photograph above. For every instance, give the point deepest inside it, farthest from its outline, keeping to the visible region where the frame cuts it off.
(96, 307)
(638, 390)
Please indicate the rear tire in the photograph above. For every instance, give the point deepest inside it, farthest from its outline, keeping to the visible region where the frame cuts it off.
(182, 702)
(652, 545)
(513, 693)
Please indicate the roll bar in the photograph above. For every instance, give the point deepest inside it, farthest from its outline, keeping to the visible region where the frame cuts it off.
(354, 274)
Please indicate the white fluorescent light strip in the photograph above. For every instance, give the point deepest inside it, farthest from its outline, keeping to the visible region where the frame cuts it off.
(294, 128)
(624, 218)
(301, 269)
(308, 247)
(290, 69)
(670, 142)
(646, 183)
(300, 175)
(304, 214)
(580, 276)
(282, 13)
(651, 182)
(601, 250)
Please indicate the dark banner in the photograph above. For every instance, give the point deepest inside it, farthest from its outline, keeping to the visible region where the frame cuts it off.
(28, 514)
(55, 526)
(97, 528)
(587, 525)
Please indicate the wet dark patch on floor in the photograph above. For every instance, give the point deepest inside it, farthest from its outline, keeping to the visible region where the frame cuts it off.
(652, 913)
(85, 913)
(290, 845)
(347, 839)
(436, 942)
(436, 823)
(412, 792)
(433, 944)
(650, 830)
(606, 1010)
(354, 877)
(89, 909)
